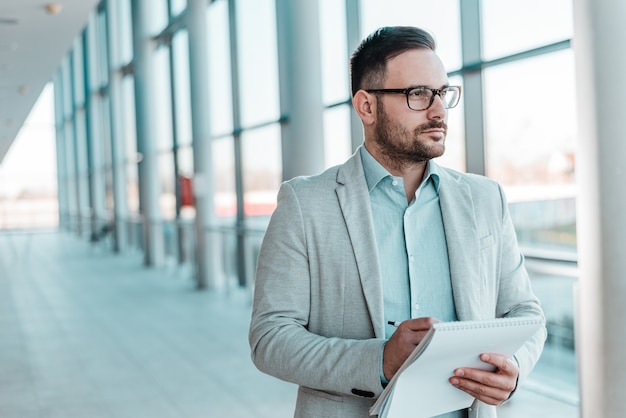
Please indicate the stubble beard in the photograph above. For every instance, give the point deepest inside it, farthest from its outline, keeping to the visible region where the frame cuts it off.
(401, 148)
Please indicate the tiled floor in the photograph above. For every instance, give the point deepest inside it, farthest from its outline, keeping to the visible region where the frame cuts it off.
(85, 333)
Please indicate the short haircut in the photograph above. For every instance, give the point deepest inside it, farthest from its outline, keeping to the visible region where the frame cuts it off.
(368, 64)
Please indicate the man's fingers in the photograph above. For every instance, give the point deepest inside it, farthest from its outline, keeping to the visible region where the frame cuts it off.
(418, 324)
(489, 387)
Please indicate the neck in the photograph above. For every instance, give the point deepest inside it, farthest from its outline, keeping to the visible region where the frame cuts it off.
(411, 172)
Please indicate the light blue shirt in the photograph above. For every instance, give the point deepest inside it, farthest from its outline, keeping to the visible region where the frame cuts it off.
(412, 250)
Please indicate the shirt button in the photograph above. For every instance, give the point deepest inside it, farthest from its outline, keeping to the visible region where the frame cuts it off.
(416, 306)
(394, 183)
(411, 258)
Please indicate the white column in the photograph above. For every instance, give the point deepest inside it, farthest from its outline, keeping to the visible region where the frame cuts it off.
(206, 270)
(145, 105)
(601, 219)
(120, 209)
(94, 138)
(300, 87)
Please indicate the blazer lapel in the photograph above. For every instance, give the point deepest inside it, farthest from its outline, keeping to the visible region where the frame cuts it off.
(463, 242)
(354, 201)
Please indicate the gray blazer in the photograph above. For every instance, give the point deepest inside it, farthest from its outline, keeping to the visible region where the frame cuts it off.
(317, 317)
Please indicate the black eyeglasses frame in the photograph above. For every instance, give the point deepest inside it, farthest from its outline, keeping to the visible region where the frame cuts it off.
(406, 91)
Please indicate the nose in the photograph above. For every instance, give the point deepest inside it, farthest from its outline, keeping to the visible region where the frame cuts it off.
(437, 109)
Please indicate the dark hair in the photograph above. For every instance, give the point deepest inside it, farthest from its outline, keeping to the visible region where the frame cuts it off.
(368, 63)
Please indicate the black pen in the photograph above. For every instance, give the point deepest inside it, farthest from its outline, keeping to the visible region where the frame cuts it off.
(394, 323)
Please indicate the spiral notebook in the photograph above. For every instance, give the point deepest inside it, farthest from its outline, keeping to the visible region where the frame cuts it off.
(421, 388)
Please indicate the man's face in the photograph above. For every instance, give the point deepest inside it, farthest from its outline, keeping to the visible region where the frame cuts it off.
(406, 136)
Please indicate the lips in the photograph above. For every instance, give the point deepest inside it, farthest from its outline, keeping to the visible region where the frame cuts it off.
(433, 127)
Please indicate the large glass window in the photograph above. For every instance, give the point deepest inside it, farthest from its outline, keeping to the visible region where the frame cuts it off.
(77, 86)
(509, 27)
(225, 199)
(337, 144)
(177, 6)
(129, 133)
(335, 82)
(158, 16)
(28, 185)
(163, 100)
(182, 89)
(102, 71)
(258, 62)
(530, 145)
(220, 82)
(167, 197)
(334, 50)
(262, 170)
(123, 28)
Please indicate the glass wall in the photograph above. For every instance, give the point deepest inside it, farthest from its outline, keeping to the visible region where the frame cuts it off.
(528, 138)
(530, 149)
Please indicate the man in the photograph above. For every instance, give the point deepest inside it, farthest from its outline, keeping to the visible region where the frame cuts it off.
(389, 236)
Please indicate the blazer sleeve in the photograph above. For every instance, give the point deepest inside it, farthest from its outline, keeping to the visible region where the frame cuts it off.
(515, 296)
(281, 343)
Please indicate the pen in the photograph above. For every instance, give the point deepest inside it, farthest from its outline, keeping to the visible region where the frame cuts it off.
(394, 323)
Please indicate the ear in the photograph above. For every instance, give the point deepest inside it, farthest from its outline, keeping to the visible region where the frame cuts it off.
(365, 106)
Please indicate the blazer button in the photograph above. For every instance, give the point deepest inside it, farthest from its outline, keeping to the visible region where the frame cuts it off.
(364, 393)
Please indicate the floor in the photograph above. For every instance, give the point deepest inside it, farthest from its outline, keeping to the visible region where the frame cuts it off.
(85, 333)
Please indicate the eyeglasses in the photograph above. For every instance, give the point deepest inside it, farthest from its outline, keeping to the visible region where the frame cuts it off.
(421, 98)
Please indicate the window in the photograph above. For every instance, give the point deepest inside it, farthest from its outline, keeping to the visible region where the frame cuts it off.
(258, 63)
(177, 6)
(225, 200)
(162, 118)
(220, 82)
(531, 134)
(511, 27)
(334, 50)
(337, 145)
(262, 173)
(182, 89)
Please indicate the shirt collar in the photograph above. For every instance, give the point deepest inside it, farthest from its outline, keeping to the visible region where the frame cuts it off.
(374, 172)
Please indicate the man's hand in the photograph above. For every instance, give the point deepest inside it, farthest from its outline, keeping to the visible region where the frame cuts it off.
(492, 388)
(402, 342)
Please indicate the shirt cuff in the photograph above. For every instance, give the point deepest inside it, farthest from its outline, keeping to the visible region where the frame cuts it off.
(383, 380)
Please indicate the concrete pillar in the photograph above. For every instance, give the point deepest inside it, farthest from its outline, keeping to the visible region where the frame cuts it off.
(206, 265)
(300, 87)
(94, 138)
(145, 104)
(118, 153)
(601, 203)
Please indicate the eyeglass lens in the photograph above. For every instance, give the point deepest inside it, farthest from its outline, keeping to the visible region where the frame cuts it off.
(421, 98)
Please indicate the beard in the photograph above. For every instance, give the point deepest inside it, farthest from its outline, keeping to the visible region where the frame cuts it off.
(400, 147)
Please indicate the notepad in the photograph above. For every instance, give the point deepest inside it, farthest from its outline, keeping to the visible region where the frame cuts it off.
(421, 388)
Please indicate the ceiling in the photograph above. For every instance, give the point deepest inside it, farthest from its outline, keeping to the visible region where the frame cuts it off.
(33, 42)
